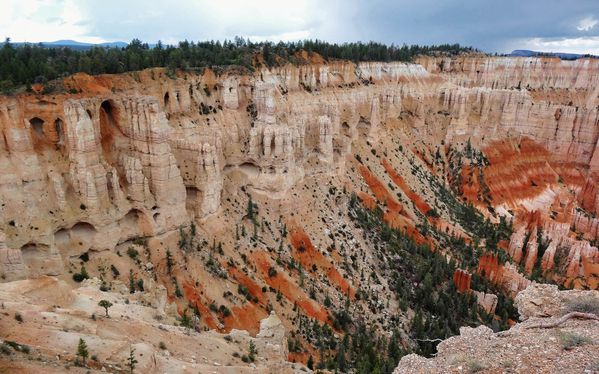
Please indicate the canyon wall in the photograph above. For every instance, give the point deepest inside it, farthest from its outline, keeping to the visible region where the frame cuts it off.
(143, 153)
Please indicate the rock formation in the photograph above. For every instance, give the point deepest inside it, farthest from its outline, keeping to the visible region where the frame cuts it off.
(200, 182)
(525, 348)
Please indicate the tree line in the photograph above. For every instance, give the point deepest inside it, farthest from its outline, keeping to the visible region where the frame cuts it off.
(34, 63)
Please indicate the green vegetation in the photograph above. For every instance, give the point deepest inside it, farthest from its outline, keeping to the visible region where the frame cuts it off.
(81, 276)
(571, 340)
(105, 304)
(82, 351)
(33, 63)
(131, 360)
(584, 305)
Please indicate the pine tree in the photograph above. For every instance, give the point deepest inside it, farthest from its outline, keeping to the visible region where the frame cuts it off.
(169, 261)
(250, 208)
(252, 352)
(84, 273)
(82, 350)
(131, 281)
(131, 361)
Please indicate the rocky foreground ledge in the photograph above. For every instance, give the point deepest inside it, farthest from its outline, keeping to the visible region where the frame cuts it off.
(559, 333)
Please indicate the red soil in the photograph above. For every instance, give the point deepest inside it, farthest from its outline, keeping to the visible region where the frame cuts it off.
(290, 291)
(421, 205)
(380, 191)
(306, 254)
(394, 216)
(254, 289)
(245, 317)
(193, 295)
(368, 201)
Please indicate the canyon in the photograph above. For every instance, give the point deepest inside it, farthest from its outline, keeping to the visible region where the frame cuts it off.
(230, 195)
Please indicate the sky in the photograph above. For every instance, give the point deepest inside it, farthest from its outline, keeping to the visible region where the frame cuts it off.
(490, 25)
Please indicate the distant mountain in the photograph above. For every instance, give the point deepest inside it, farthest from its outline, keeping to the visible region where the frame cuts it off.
(563, 56)
(73, 44)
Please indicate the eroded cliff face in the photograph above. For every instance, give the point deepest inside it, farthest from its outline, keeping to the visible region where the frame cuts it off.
(139, 155)
(130, 161)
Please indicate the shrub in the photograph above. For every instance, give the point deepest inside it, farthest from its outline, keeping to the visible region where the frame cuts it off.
(18, 317)
(272, 272)
(5, 349)
(571, 340)
(162, 346)
(79, 277)
(583, 305)
(132, 252)
(115, 271)
(224, 310)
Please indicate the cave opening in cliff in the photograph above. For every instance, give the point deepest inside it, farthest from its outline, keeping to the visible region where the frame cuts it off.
(109, 129)
(250, 169)
(345, 130)
(59, 128)
(192, 194)
(166, 100)
(37, 124)
(34, 255)
(134, 224)
(83, 229)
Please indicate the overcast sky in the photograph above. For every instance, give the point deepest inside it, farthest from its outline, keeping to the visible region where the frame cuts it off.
(490, 25)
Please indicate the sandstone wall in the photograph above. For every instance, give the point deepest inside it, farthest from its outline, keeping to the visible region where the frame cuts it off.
(142, 153)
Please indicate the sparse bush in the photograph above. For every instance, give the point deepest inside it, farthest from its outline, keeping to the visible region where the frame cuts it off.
(5, 349)
(81, 276)
(224, 310)
(162, 345)
(133, 253)
(571, 340)
(475, 366)
(19, 317)
(272, 272)
(583, 305)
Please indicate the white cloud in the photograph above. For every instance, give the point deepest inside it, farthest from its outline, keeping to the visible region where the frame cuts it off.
(582, 45)
(43, 20)
(587, 23)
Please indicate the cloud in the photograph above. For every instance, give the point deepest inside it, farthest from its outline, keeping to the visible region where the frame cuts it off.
(586, 24)
(486, 24)
(568, 45)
